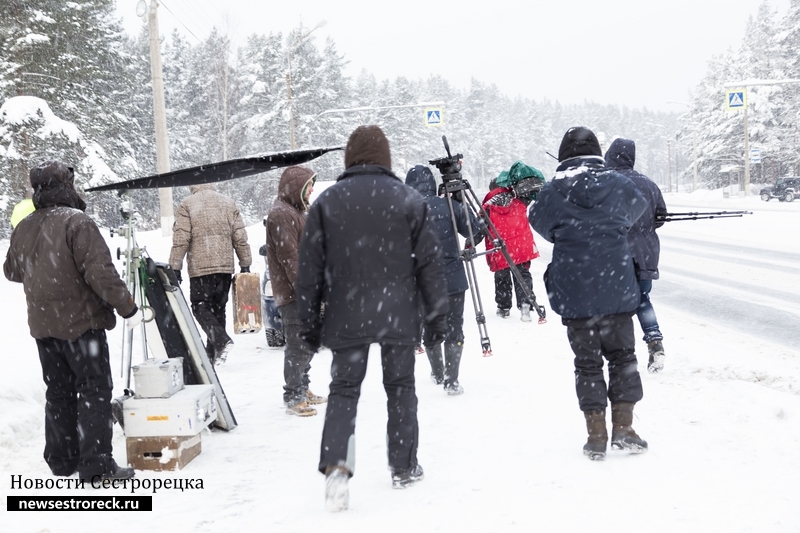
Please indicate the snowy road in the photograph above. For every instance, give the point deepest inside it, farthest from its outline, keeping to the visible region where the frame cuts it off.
(739, 272)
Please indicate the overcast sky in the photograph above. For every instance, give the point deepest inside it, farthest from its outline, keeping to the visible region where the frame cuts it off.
(626, 52)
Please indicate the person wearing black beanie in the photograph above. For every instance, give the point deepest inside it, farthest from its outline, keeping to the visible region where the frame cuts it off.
(586, 212)
(370, 252)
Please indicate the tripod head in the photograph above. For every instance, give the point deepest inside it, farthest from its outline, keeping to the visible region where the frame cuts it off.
(450, 166)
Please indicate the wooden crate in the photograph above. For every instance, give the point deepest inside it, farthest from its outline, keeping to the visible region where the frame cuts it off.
(246, 289)
(162, 453)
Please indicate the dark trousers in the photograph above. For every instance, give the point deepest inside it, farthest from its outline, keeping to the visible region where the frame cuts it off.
(209, 296)
(347, 372)
(454, 338)
(78, 410)
(610, 337)
(503, 280)
(296, 357)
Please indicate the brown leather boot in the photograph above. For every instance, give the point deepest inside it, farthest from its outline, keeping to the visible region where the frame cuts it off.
(623, 437)
(595, 447)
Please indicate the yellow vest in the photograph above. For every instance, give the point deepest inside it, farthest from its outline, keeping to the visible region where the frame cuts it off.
(21, 210)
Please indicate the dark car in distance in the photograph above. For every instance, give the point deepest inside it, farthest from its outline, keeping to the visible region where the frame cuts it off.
(785, 190)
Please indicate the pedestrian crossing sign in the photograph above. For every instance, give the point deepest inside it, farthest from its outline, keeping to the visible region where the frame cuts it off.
(433, 116)
(736, 99)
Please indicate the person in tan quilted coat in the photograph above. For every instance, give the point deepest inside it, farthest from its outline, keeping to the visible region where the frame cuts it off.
(208, 229)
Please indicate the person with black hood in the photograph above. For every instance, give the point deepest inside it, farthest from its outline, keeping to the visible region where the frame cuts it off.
(644, 244)
(370, 253)
(446, 372)
(586, 212)
(72, 290)
(285, 223)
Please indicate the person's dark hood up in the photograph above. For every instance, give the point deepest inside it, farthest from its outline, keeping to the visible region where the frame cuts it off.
(53, 184)
(421, 178)
(579, 177)
(367, 145)
(293, 185)
(621, 154)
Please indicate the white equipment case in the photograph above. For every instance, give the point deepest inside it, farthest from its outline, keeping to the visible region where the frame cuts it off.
(158, 378)
(183, 414)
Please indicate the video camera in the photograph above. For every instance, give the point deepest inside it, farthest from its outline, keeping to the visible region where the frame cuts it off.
(525, 187)
(450, 169)
(450, 166)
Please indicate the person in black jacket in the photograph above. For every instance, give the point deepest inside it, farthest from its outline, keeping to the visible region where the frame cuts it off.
(586, 211)
(446, 372)
(371, 255)
(644, 243)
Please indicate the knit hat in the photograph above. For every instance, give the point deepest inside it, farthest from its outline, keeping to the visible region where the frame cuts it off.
(578, 141)
(367, 145)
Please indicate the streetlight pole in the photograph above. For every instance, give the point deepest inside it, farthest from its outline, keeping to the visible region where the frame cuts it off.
(669, 166)
(746, 84)
(292, 45)
(694, 145)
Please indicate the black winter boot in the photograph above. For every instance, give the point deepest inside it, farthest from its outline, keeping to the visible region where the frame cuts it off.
(623, 437)
(595, 447)
(437, 363)
(452, 361)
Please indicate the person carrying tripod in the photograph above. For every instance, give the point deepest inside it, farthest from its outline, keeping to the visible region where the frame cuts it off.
(508, 214)
(644, 243)
(446, 372)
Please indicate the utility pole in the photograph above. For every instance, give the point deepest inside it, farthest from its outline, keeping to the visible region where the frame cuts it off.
(669, 166)
(160, 115)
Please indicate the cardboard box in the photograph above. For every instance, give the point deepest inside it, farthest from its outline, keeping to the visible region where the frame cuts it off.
(162, 453)
(158, 378)
(246, 297)
(183, 414)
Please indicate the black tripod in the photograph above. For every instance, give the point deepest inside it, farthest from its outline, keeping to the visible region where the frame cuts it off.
(459, 188)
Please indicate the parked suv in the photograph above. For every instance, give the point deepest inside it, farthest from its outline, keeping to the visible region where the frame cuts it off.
(785, 190)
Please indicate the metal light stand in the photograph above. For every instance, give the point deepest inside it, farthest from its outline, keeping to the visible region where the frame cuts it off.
(132, 256)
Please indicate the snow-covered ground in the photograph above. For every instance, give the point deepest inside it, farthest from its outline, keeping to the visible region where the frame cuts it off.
(722, 420)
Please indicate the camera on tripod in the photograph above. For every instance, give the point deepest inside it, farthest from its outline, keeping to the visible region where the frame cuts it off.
(450, 169)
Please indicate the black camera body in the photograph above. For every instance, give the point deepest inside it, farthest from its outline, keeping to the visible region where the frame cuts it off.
(450, 166)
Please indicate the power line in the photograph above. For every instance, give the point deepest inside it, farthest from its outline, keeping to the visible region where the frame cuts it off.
(201, 14)
(181, 22)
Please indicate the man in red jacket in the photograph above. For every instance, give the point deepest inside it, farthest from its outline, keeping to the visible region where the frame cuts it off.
(509, 216)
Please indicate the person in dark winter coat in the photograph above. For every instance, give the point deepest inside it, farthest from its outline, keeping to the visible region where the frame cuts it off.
(586, 212)
(446, 372)
(644, 244)
(508, 214)
(285, 224)
(72, 290)
(370, 253)
(208, 229)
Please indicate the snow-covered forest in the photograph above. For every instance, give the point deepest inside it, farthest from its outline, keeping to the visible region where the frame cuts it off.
(88, 100)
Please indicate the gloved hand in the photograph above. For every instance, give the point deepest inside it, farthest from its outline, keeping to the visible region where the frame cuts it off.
(178, 275)
(311, 336)
(133, 321)
(436, 329)
(245, 270)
